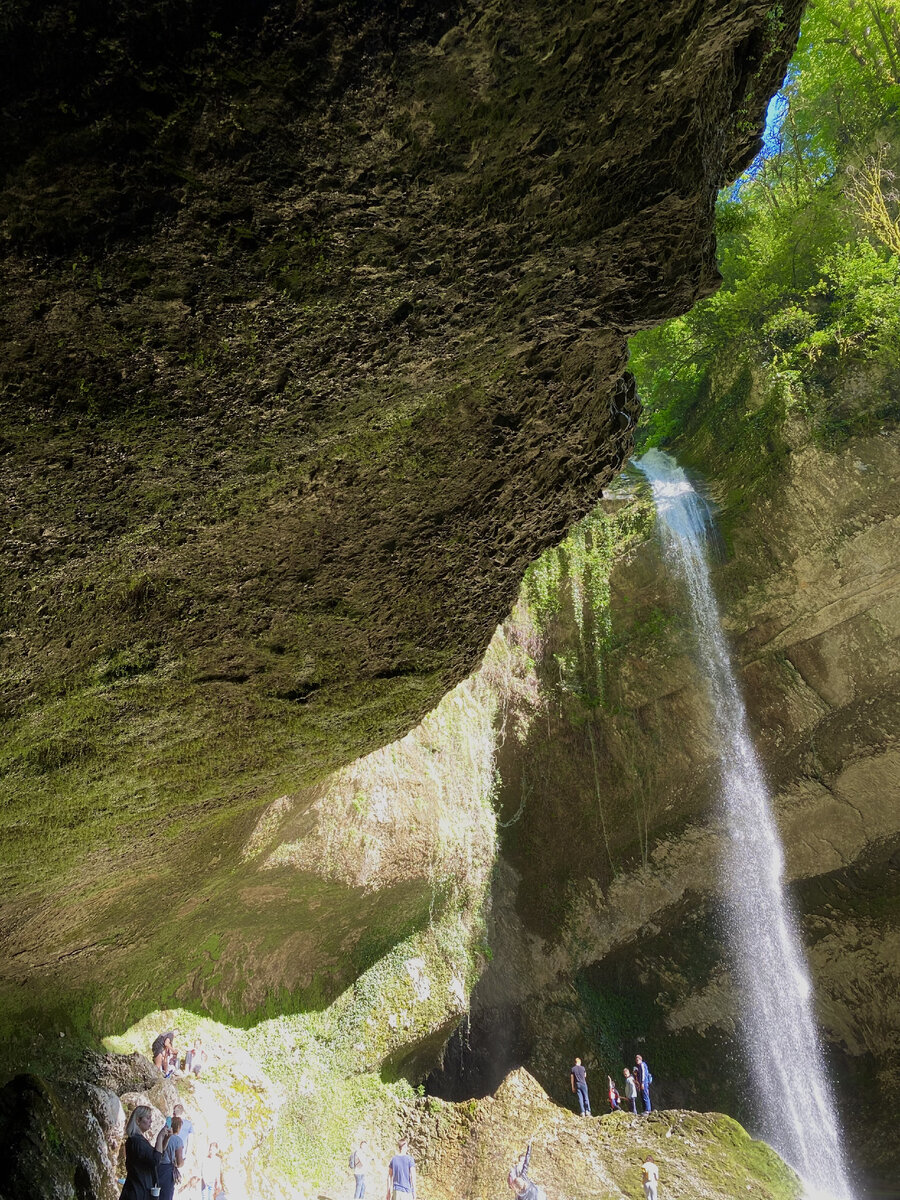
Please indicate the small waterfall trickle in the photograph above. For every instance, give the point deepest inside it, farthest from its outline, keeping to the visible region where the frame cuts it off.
(795, 1105)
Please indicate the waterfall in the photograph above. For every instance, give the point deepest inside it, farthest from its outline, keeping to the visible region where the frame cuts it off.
(795, 1105)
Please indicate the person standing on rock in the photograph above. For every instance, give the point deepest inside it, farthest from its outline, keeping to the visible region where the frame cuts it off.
(650, 1175)
(525, 1188)
(211, 1173)
(187, 1127)
(630, 1090)
(141, 1159)
(644, 1079)
(172, 1162)
(359, 1160)
(401, 1174)
(578, 1078)
(196, 1057)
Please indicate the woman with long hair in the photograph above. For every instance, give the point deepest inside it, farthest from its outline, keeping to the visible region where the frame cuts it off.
(141, 1159)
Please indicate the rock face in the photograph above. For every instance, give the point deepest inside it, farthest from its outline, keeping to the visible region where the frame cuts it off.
(314, 335)
(606, 935)
(462, 1150)
(467, 1149)
(58, 1142)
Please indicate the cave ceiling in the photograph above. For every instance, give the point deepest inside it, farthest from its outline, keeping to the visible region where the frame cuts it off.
(314, 336)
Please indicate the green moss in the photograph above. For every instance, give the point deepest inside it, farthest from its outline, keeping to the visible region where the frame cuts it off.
(311, 1082)
(570, 583)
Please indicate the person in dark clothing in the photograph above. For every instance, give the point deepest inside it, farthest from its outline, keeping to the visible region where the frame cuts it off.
(519, 1170)
(578, 1077)
(402, 1174)
(643, 1079)
(141, 1159)
(163, 1046)
(527, 1189)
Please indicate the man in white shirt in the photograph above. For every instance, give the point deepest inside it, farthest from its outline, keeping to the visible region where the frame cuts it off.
(651, 1178)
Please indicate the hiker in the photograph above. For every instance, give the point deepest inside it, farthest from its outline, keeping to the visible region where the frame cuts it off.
(141, 1159)
(172, 1160)
(578, 1078)
(525, 1188)
(402, 1174)
(644, 1079)
(630, 1090)
(650, 1175)
(159, 1051)
(187, 1126)
(359, 1160)
(614, 1104)
(211, 1173)
(195, 1059)
(519, 1169)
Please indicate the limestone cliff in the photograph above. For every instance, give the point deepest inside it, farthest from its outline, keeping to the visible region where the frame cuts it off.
(604, 922)
(314, 327)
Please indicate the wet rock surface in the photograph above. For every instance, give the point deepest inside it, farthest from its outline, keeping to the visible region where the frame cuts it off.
(313, 337)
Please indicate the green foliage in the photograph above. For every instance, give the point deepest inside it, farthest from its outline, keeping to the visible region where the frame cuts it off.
(847, 72)
(808, 242)
(572, 581)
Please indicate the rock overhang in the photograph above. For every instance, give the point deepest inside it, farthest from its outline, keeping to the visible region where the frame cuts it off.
(315, 340)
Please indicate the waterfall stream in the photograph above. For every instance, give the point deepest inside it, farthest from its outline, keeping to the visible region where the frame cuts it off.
(795, 1106)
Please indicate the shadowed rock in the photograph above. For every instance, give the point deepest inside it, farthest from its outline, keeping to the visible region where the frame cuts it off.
(314, 336)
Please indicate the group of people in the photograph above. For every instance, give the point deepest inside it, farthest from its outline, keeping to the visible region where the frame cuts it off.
(637, 1085)
(401, 1172)
(153, 1168)
(167, 1058)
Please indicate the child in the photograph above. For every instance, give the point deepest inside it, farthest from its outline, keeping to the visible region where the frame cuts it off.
(614, 1104)
(630, 1090)
(650, 1173)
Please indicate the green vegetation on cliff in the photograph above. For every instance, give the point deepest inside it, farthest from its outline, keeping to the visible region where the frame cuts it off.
(807, 322)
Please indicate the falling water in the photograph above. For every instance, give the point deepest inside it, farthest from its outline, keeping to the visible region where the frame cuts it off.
(796, 1107)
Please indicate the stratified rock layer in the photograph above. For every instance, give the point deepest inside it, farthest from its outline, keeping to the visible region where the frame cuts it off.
(313, 336)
